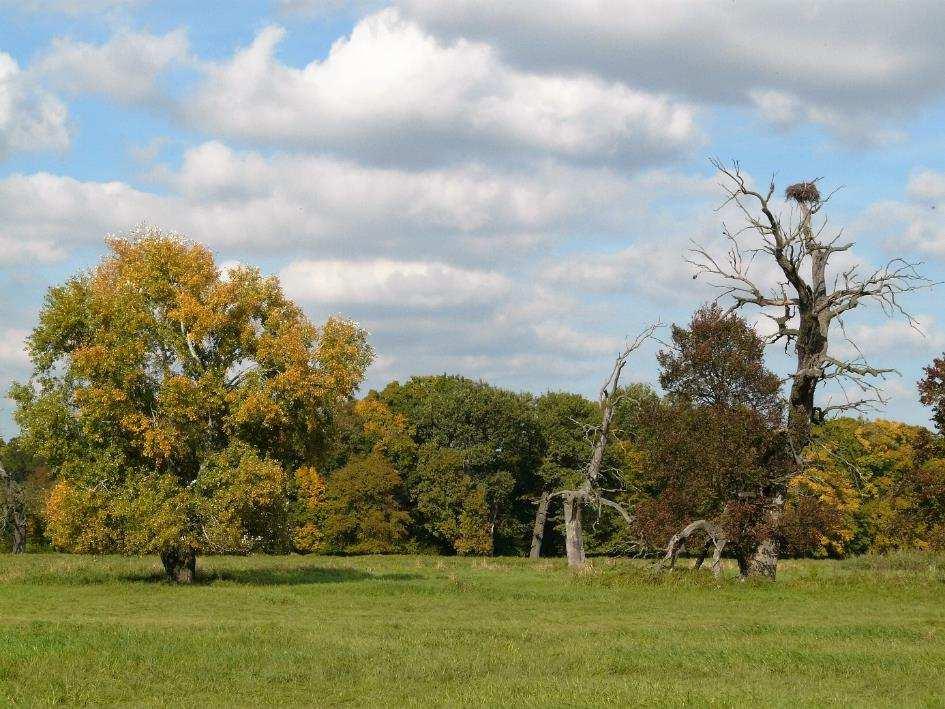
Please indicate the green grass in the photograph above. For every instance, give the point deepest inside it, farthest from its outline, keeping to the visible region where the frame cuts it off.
(422, 631)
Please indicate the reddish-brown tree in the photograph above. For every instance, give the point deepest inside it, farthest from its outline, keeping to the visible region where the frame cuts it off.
(709, 444)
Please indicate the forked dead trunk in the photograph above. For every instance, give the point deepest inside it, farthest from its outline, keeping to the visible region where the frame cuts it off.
(179, 565)
(573, 534)
(541, 521)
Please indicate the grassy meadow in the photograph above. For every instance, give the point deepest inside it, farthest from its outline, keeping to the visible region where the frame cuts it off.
(420, 631)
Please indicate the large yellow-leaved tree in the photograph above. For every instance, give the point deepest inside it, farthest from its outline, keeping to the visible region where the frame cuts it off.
(176, 400)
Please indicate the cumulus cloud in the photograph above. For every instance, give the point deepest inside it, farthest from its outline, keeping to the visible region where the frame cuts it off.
(927, 186)
(892, 336)
(656, 270)
(45, 216)
(560, 337)
(125, 69)
(71, 7)
(394, 284)
(319, 9)
(391, 91)
(333, 208)
(786, 110)
(848, 70)
(13, 349)
(915, 224)
(30, 118)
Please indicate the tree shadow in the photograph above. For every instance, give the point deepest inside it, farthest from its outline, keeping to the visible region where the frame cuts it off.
(300, 576)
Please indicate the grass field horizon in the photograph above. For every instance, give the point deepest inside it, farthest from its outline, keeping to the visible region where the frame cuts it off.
(420, 630)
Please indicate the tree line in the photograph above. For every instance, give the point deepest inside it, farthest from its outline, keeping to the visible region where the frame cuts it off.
(181, 410)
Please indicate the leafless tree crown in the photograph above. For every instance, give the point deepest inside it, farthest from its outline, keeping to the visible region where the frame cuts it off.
(805, 300)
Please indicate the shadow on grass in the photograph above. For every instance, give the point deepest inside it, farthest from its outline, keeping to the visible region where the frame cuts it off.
(275, 577)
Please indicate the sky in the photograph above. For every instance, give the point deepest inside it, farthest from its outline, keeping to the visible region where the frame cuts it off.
(501, 190)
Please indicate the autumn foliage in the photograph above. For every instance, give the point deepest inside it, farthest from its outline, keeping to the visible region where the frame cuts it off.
(177, 401)
(181, 410)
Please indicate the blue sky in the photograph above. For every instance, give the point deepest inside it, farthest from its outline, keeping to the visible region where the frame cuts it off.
(503, 190)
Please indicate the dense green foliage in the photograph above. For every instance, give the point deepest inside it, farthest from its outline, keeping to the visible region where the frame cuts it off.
(434, 631)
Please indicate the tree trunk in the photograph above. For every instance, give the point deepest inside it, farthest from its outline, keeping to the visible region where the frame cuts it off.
(765, 561)
(574, 538)
(179, 565)
(541, 521)
(714, 540)
(18, 524)
(13, 512)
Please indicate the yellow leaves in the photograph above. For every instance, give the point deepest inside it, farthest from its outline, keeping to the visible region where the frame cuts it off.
(88, 360)
(242, 501)
(184, 391)
(311, 487)
(154, 262)
(308, 537)
(307, 534)
(258, 408)
(343, 355)
(101, 397)
(472, 530)
(853, 468)
(387, 430)
(77, 520)
(377, 418)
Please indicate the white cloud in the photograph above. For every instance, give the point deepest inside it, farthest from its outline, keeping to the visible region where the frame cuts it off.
(916, 224)
(320, 9)
(313, 205)
(13, 349)
(44, 216)
(655, 269)
(71, 7)
(126, 68)
(562, 337)
(391, 284)
(785, 111)
(927, 186)
(332, 208)
(392, 92)
(892, 336)
(340, 196)
(30, 118)
(849, 69)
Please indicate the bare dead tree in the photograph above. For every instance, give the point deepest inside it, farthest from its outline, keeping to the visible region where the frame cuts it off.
(591, 491)
(13, 513)
(714, 539)
(804, 304)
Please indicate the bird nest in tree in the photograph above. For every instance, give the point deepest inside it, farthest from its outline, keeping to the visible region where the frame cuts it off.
(803, 192)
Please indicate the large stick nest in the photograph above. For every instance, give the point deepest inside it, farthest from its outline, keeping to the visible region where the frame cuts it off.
(803, 192)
